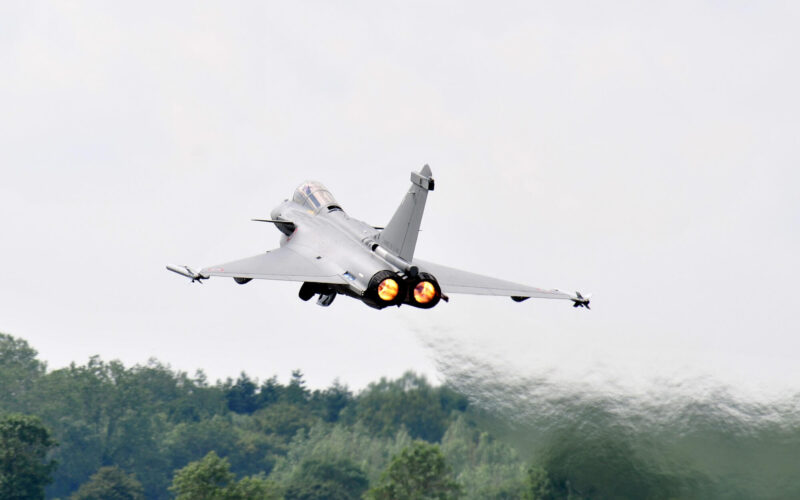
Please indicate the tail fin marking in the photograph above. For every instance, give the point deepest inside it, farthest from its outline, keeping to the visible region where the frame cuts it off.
(400, 234)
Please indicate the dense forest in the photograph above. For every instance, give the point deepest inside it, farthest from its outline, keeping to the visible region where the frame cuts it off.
(104, 430)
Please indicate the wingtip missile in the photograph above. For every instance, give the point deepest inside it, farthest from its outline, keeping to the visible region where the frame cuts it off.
(581, 301)
(188, 272)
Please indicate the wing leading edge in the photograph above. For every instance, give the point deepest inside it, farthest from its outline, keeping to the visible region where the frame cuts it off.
(279, 264)
(457, 281)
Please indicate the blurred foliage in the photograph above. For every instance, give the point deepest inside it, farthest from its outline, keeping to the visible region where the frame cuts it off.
(148, 431)
(486, 467)
(116, 423)
(25, 469)
(210, 478)
(326, 479)
(418, 472)
(110, 483)
(409, 402)
(370, 452)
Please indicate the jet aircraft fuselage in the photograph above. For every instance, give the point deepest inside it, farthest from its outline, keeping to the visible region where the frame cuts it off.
(332, 253)
(341, 245)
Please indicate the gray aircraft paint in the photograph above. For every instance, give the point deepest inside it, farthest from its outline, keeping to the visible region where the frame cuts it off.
(333, 253)
(400, 235)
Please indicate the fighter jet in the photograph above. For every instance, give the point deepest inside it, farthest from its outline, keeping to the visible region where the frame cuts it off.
(331, 253)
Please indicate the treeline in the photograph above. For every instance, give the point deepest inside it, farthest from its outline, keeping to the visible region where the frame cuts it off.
(159, 433)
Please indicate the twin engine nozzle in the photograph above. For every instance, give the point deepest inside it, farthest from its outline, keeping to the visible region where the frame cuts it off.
(387, 288)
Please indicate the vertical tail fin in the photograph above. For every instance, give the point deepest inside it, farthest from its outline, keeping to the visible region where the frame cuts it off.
(400, 235)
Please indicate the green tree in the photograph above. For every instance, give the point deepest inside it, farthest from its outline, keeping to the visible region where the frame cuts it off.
(241, 396)
(79, 453)
(329, 403)
(205, 479)
(419, 472)
(19, 371)
(271, 392)
(296, 392)
(105, 413)
(318, 479)
(24, 467)
(284, 420)
(370, 452)
(408, 402)
(212, 479)
(110, 483)
(537, 485)
(248, 451)
(255, 488)
(487, 468)
(187, 442)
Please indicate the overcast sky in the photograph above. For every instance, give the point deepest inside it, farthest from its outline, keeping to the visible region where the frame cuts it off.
(646, 152)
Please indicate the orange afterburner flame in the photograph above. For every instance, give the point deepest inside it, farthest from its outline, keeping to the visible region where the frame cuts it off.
(388, 289)
(424, 292)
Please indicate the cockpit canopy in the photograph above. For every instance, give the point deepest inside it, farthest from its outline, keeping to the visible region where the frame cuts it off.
(314, 196)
